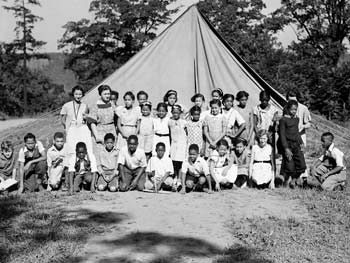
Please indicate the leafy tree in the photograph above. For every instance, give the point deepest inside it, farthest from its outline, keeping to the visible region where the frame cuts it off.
(120, 28)
(322, 29)
(251, 33)
(38, 86)
(25, 41)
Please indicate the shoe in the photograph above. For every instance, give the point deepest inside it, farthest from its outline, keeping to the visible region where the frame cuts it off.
(64, 188)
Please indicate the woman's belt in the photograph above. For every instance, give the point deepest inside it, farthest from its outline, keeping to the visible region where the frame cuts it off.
(162, 135)
(269, 161)
(128, 125)
(110, 123)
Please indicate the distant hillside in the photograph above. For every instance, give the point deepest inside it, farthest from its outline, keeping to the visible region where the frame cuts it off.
(53, 68)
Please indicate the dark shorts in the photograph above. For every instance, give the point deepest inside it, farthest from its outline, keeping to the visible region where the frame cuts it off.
(177, 166)
(82, 181)
(35, 176)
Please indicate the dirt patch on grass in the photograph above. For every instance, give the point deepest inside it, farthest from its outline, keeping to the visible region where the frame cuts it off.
(173, 228)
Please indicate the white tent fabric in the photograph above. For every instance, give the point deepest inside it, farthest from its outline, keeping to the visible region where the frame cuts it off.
(189, 57)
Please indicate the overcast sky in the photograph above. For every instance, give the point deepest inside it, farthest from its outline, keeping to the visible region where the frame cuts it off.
(56, 13)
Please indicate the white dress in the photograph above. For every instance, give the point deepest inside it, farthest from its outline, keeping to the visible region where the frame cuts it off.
(161, 134)
(220, 164)
(76, 127)
(262, 169)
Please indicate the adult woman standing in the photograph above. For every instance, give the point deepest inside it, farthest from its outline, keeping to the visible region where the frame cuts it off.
(73, 118)
(102, 115)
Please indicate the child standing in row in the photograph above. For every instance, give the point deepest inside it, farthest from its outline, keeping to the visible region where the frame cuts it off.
(178, 139)
(128, 119)
(290, 145)
(161, 128)
(194, 129)
(246, 113)
(215, 127)
(146, 133)
(233, 118)
(261, 164)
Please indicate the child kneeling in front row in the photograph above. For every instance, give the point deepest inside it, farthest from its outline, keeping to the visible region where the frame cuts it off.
(222, 166)
(160, 171)
(82, 169)
(32, 165)
(195, 173)
(329, 171)
(57, 163)
(107, 165)
(243, 161)
(7, 166)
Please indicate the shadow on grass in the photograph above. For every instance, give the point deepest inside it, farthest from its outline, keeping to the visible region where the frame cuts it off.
(153, 247)
(33, 227)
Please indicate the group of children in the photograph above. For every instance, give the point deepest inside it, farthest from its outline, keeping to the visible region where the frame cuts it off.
(205, 148)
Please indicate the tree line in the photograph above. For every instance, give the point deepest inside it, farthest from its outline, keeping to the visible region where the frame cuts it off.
(316, 64)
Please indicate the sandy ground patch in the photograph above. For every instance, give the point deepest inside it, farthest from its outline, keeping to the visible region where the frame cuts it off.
(176, 228)
(13, 123)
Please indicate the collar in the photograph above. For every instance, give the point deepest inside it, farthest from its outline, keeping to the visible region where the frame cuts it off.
(331, 147)
(53, 148)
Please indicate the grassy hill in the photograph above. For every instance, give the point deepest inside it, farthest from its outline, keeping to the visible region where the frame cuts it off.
(53, 68)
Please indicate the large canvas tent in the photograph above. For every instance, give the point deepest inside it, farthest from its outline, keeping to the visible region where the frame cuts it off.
(189, 57)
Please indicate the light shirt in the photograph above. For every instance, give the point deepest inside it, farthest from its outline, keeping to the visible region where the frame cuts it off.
(74, 113)
(334, 153)
(232, 117)
(23, 150)
(108, 160)
(198, 168)
(265, 116)
(304, 116)
(53, 154)
(160, 166)
(132, 161)
(161, 125)
(72, 161)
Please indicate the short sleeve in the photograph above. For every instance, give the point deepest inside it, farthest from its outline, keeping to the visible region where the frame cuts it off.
(239, 119)
(40, 146)
(93, 114)
(49, 158)
(306, 115)
(64, 110)
(170, 167)
(21, 156)
(339, 157)
(143, 160)
(184, 168)
(149, 165)
(119, 111)
(121, 158)
(93, 163)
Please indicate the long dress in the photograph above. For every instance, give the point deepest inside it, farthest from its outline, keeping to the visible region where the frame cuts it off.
(215, 126)
(195, 134)
(146, 134)
(103, 115)
(178, 139)
(128, 119)
(76, 127)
